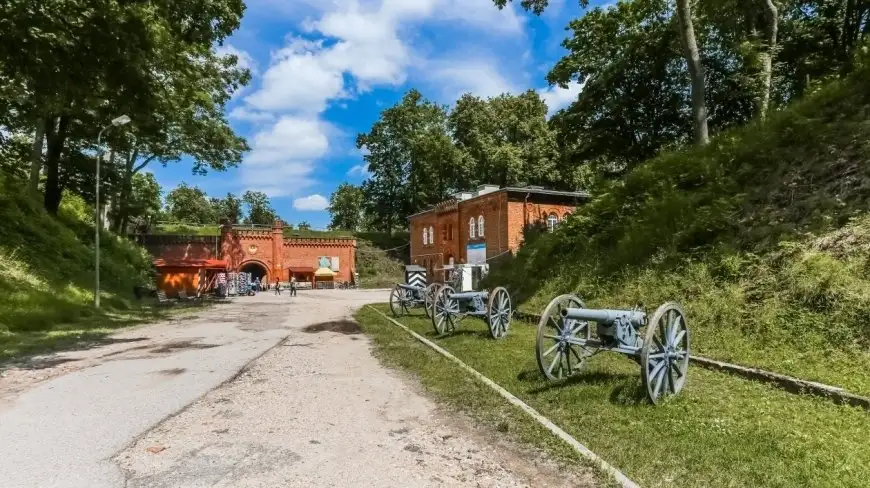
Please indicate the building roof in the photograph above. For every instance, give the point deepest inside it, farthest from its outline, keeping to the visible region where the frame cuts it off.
(487, 190)
(191, 263)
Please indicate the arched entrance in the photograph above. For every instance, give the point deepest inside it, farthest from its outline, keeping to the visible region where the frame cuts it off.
(257, 269)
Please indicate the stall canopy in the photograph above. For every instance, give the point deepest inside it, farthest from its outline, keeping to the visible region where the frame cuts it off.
(324, 273)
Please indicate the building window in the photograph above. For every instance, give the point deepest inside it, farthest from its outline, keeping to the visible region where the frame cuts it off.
(450, 232)
(472, 227)
(443, 232)
(552, 221)
(425, 237)
(565, 217)
(431, 235)
(480, 226)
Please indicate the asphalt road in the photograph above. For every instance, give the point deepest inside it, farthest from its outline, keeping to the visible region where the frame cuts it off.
(64, 431)
(210, 401)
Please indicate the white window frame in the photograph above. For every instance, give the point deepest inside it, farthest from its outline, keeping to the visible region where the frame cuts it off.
(552, 222)
(480, 226)
(431, 235)
(472, 227)
(425, 237)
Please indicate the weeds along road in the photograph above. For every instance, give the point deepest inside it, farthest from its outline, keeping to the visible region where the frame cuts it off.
(165, 406)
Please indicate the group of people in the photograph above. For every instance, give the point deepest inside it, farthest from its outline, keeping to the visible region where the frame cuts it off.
(263, 286)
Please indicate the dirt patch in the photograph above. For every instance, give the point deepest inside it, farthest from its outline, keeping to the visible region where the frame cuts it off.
(341, 326)
(182, 345)
(172, 372)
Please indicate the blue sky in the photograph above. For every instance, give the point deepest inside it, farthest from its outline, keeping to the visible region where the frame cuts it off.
(324, 69)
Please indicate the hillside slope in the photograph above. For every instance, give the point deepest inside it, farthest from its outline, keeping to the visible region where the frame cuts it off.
(47, 275)
(764, 236)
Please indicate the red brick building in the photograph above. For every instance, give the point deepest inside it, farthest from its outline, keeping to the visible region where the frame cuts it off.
(472, 227)
(265, 253)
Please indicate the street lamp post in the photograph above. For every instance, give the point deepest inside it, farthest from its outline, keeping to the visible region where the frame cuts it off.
(97, 220)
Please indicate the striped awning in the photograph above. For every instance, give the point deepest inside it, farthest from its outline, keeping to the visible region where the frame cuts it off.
(324, 273)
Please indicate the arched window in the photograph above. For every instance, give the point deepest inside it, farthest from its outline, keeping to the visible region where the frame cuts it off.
(552, 221)
(472, 227)
(425, 237)
(480, 226)
(565, 217)
(431, 235)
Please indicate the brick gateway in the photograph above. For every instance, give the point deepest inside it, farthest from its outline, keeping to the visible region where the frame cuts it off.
(265, 252)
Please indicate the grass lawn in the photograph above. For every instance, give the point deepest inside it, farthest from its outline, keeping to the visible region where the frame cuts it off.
(720, 431)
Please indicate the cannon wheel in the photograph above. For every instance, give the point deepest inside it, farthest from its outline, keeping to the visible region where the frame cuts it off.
(498, 312)
(399, 298)
(665, 354)
(429, 298)
(444, 309)
(558, 360)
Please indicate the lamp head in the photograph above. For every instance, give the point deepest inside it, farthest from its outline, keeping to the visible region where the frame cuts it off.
(120, 120)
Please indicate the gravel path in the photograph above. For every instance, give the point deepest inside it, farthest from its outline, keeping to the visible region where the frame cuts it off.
(317, 410)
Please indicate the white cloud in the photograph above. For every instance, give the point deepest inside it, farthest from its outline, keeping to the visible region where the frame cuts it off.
(479, 77)
(311, 202)
(359, 170)
(298, 80)
(283, 157)
(342, 49)
(254, 116)
(558, 98)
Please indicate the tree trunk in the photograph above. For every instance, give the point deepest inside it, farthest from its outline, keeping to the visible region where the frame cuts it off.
(771, 15)
(696, 71)
(36, 156)
(849, 34)
(56, 140)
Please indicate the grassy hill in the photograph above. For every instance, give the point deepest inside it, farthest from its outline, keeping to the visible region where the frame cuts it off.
(47, 275)
(764, 236)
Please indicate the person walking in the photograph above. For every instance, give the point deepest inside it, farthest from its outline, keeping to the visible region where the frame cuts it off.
(277, 286)
(293, 286)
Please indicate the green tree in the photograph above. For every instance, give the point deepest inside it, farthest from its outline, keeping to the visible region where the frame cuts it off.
(346, 207)
(189, 204)
(229, 208)
(304, 225)
(59, 71)
(260, 211)
(506, 140)
(411, 159)
(143, 205)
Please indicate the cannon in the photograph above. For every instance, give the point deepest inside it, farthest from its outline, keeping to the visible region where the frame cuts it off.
(405, 297)
(451, 307)
(565, 336)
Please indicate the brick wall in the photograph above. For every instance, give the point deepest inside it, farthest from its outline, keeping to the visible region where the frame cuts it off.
(243, 246)
(521, 213)
(493, 208)
(504, 221)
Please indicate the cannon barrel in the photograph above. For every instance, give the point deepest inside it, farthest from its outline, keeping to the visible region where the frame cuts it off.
(468, 295)
(604, 316)
(410, 287)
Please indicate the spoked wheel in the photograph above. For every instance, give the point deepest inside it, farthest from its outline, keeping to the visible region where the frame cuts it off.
(665, 354)
(429, 298)
(499, 313)
(445, 310)
(399, 298)
(557, 357)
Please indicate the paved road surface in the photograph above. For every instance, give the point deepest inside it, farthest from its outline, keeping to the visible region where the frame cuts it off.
(318, 410)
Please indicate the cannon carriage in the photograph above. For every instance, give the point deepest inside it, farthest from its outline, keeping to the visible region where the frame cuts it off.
(414, 293)
(450, 306)
(566, 339)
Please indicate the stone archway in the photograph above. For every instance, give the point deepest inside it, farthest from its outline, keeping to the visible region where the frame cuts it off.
(257, 270)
